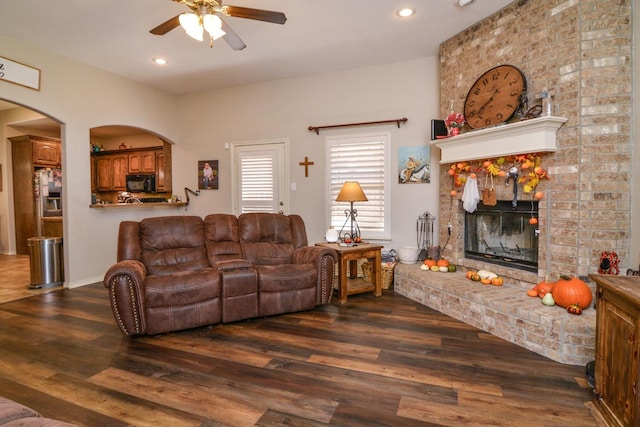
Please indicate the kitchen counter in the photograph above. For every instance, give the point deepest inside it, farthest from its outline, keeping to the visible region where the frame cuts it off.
(137, 205)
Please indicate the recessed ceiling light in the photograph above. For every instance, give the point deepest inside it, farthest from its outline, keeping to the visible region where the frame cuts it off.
(159, 61)
(405, 13)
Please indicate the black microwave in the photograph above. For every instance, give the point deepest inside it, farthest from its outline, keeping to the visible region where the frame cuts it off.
(141, 183)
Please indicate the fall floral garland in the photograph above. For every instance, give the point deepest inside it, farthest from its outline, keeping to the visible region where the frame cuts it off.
(530, 165)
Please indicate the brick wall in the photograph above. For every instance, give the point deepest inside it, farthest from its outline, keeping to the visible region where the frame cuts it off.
(581, 51)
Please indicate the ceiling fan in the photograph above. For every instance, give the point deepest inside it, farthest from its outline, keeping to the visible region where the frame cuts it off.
(207, 15)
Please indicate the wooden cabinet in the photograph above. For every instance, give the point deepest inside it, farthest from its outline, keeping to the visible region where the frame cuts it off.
(111, 172)
(27, 153)
(52, 227)
(109, 169)
(617, 347)
(142, 162)
(46, 152)
(120, 166)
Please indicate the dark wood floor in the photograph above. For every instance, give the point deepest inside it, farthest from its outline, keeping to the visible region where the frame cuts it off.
(375, 361)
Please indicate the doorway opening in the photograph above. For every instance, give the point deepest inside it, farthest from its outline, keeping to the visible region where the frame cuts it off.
(16, 121)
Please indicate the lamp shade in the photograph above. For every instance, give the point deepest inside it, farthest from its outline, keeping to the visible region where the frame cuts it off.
(351, 192)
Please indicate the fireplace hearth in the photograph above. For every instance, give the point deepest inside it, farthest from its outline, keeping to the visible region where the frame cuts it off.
(503, 235)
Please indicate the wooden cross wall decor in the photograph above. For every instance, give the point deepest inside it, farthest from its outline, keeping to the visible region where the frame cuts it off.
(306, 165)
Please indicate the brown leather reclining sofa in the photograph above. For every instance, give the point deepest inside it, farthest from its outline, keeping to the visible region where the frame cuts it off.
(179, 272)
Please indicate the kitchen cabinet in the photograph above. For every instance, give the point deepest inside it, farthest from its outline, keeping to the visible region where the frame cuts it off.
(111, 172)
(109, 168)
(142, 162)
(617, 347)
(52, 226)
(27, 153)
(46, 152)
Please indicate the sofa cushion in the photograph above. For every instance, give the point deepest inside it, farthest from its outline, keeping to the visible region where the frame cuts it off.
(181, 288)
(279, 278)
(266, 239)
(221, 233)
(173, 244)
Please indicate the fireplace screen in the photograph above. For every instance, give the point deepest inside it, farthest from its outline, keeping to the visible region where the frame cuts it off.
(502, 235)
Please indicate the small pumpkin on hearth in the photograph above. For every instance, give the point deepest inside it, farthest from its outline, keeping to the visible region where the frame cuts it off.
(443, 263)
(497, 281)
(569, 291)
(543, 288)
(429, 262)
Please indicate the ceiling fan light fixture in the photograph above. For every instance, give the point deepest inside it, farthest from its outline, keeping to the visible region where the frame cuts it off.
(463, 3)
(213, 25)
(190, 22)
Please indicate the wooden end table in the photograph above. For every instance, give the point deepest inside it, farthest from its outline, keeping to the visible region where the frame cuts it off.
(348, 257)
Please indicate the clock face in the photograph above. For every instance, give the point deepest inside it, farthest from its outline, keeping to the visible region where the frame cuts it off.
(494, 97)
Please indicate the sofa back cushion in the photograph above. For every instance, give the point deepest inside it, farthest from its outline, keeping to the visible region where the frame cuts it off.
(221, 234)
(170, 244)
(266, 238)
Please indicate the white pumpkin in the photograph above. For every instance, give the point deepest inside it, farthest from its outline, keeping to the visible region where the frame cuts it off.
(486, 274)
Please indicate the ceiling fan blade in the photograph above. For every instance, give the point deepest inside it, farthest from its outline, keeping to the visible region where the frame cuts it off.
(257, 14)
(231, 37)
(166, 26)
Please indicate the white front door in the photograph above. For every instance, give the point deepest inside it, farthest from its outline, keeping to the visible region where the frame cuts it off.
(259, 177)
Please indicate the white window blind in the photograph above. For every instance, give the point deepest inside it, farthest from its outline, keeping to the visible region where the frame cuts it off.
(256, 178)
(360, 158)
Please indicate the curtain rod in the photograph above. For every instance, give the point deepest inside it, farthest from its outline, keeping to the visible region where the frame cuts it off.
(316, 129)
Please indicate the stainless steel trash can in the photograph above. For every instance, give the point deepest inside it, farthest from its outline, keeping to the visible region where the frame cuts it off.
(45, 261)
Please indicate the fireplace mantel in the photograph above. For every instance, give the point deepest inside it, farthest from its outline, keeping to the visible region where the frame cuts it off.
(528, 136)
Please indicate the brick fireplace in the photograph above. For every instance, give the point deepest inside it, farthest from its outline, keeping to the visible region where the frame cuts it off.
(580, 51)
(537, 135)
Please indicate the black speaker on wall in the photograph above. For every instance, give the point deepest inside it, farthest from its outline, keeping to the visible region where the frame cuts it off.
(438, 129)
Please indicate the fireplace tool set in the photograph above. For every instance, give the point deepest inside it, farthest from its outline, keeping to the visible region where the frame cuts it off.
(424, 231)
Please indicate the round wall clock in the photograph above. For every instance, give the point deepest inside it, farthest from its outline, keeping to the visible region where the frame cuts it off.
(494, 97)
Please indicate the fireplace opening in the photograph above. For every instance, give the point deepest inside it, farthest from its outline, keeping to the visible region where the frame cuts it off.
(502, 234)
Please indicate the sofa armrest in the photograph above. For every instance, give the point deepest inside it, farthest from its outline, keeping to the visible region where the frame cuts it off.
(325, 260)
(125, 281)
(233, 264)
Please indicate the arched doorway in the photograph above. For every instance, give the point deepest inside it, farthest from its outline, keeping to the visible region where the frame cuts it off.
(17, 121)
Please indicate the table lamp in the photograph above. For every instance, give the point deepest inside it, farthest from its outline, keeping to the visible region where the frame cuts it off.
(351, 192)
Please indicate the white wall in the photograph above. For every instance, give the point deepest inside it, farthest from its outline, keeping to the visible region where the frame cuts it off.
(82, 97)
(285, 109)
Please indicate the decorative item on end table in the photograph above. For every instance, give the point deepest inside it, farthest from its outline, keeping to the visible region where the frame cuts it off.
(351, 192)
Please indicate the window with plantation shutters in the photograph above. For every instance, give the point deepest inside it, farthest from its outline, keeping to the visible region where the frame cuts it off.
(360, 158)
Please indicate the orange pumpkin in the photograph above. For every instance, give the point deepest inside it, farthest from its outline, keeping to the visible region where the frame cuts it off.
(532, 292)
(429, 262)
(485, 281)
(543, 288)
(469, 274)
(443, 263)
(571, 291)
(497, 281)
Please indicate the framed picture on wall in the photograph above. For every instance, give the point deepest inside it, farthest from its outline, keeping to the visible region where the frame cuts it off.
(208, 174)
(414, 165)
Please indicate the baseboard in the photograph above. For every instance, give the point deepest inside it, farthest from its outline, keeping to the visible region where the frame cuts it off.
(85, 282)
